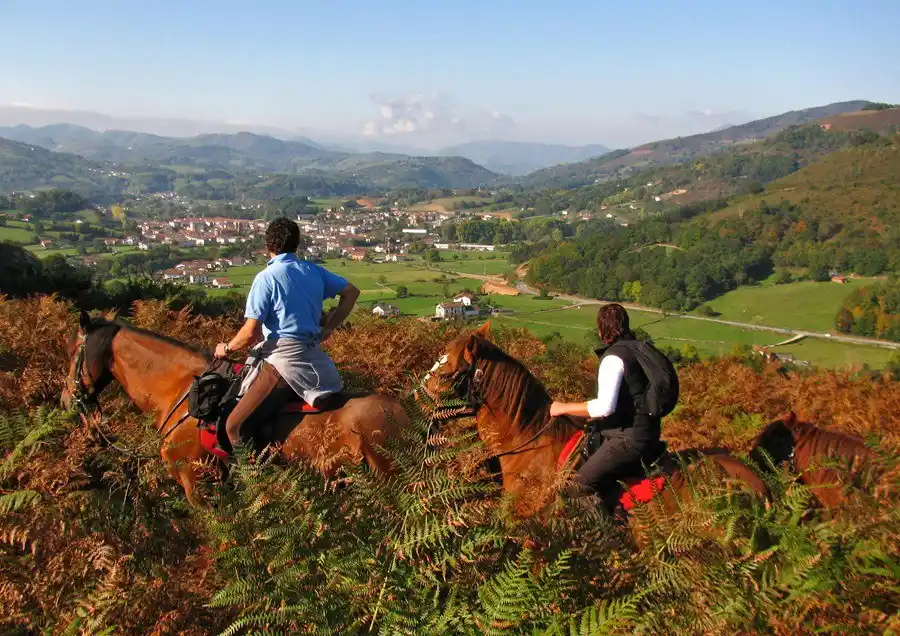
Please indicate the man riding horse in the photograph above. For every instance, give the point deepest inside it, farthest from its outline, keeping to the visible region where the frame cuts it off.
(625, 432)
(283, 310)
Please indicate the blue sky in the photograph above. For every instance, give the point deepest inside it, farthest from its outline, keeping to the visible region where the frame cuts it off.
(424, 71)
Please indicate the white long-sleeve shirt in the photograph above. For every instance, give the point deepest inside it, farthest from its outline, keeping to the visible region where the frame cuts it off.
(609, 380)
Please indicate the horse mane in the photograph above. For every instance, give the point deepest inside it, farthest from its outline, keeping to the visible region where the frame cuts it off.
(103, 331)
(511, 389)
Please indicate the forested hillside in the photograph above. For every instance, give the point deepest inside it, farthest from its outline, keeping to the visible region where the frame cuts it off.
(681, 149)
(841, 213)
(25, 167)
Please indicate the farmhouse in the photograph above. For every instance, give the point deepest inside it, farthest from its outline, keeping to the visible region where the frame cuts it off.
(385, 310)
(357, 255)
(222, 283)
(465, 298)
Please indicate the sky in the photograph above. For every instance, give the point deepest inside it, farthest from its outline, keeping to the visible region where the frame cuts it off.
(424, 72)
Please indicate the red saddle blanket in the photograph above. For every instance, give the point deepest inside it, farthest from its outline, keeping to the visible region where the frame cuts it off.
(639, 490)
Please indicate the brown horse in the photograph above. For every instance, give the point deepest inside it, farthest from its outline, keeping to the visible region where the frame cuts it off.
(826, 461)
(512, 414)
(156, 373)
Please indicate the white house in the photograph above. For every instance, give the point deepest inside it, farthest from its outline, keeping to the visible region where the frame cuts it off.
(198, 278)
(448, 311)
(222, 283)
(442, 246)
(465, 298)
(385, 310)
(477, 247)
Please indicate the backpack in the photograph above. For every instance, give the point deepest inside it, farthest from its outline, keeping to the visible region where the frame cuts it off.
(662, 379)
(213, 393)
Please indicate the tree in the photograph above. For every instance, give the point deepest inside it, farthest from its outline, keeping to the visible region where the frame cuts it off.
(402, 291)
(782, 277)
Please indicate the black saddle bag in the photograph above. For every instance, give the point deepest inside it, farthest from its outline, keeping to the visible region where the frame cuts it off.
(214, 392)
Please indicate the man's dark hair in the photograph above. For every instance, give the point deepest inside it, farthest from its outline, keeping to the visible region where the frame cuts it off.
(282, 236)
(612, 322)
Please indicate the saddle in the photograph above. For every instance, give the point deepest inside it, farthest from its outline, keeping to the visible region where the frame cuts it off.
(215, 393)
(643, 479)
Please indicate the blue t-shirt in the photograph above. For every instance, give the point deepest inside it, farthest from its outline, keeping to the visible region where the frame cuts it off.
(287, 297)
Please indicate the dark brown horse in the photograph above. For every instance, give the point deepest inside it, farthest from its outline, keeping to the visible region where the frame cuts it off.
(512, 414)
(826, 461)
(156, 373)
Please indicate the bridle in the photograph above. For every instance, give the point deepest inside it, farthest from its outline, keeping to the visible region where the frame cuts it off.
(466, 384)
(86, 396)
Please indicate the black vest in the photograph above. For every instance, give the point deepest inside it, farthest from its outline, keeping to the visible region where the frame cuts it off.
(628, 419)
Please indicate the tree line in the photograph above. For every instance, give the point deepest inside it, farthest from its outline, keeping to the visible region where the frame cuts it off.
(872, 311)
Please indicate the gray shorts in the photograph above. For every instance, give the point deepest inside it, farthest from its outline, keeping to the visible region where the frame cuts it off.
(304, 366)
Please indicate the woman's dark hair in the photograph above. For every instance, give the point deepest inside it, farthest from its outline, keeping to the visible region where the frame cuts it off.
(612, 322)
(282, 236)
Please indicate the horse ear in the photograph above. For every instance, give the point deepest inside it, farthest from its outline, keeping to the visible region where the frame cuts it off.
(484, 330)
(84, 321)
(790, 419)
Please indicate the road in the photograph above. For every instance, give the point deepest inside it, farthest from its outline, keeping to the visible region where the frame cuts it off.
(580, 301)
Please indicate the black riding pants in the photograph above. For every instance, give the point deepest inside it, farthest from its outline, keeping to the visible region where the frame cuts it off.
(618, 457)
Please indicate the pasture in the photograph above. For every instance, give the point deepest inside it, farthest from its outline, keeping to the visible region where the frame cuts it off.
(16, 234)
(802, 305)
(544, 317)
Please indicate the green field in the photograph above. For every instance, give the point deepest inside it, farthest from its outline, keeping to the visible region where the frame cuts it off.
(773, 305)
(803, 305)
(12, 232)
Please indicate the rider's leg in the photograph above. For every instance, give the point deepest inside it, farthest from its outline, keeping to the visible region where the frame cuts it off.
(263, 400)
(610, 463)
(320, 375)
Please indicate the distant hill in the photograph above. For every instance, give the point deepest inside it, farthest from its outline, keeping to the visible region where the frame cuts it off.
(518, 158)
(260, 155)
(855, 191)
(679, 149)
(27, 167)
(885, 121)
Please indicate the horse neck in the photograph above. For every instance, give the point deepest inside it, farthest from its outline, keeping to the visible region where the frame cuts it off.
(515, 415)
(153, 372)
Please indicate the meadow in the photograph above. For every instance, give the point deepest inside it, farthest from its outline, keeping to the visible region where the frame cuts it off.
(546, 318)
(801, 305)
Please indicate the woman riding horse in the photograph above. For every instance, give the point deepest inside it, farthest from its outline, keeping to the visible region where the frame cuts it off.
(512, 415)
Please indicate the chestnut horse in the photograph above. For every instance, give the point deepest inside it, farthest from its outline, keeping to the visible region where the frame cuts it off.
(156, 373)
(512, 414)
(826, 461)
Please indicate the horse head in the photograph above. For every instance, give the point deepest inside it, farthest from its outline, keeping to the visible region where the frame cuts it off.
(455, 375)
(89, 358)
(776, 444)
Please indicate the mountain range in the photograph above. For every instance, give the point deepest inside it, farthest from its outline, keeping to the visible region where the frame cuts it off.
(519, 158)
(680, 148)
(90, 159)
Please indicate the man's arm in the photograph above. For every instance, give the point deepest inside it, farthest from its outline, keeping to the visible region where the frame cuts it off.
(348, 297)
(249, 333)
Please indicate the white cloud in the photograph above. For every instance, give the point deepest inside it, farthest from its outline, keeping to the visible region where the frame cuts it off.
(434, 115)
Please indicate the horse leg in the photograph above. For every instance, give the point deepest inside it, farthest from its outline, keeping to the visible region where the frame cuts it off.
(179, 453)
